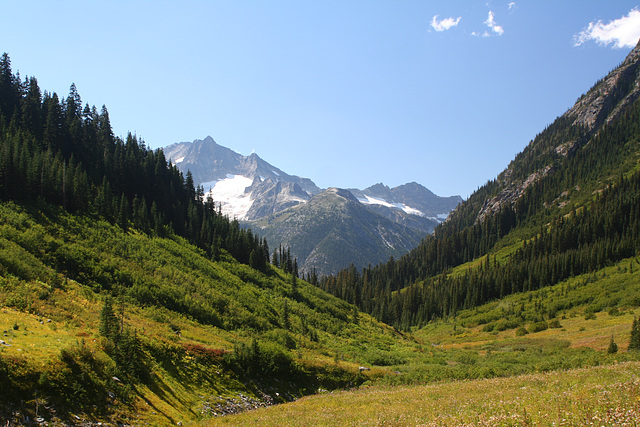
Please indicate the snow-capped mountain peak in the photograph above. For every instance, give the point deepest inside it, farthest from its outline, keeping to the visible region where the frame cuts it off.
(335, 226)
(246, 187)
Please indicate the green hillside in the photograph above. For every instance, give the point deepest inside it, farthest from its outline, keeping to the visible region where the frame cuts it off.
(185, 331)
(192, 334)
(567, 205)
(127, 296)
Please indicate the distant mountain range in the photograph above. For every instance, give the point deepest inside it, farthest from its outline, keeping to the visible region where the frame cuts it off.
(325, 229)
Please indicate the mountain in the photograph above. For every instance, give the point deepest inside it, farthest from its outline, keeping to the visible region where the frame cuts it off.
(560, 144)
(333, 229)
(246, 187)
(566, 205)
(127, 300)
(410, 204)
(261, 196)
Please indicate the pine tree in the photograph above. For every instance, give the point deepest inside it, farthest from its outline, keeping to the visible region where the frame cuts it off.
(294, 286)
(108, 326)
(285, 315)
(613, 347)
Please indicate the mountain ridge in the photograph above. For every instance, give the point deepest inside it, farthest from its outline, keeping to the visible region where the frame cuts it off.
(259, 195)
(566, 205)
(333, 230)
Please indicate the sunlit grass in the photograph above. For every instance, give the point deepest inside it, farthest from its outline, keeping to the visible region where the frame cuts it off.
(603, 396)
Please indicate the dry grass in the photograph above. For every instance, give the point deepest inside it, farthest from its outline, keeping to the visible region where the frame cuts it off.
(603, 396)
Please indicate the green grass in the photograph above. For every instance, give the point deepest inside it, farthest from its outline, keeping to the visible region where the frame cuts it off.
(604, 396)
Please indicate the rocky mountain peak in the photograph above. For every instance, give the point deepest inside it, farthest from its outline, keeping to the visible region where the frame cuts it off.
(610, 95)
(342, 193)
(366, 226)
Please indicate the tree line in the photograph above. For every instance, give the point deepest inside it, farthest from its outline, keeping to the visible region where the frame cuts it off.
(62, 153)
(595, 226)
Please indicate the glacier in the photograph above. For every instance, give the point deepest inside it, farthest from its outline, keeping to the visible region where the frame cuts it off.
(229, 194)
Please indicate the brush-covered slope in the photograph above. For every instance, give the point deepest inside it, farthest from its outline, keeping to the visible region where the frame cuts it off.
(333, 230)
(106, 324)
(560, 355)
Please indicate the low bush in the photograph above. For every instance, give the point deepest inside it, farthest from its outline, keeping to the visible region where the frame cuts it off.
(538, 327)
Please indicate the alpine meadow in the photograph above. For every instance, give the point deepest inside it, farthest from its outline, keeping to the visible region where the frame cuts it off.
(128, 297)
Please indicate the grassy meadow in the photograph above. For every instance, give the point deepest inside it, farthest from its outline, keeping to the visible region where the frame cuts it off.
(603, 396)
(480, 369)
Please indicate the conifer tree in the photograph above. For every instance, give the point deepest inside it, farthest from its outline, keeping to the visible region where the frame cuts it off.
(613, 347)
(108, 326)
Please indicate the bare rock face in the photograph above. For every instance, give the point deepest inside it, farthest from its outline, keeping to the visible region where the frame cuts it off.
(272, 197)
(604, 102)
(511, 193)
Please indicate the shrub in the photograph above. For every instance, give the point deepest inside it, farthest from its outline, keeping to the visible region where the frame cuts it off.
(204, 354)
(521, 331)
(538, 327)
(555, 324)
(504, 324)
(384, 358)
(260, 358)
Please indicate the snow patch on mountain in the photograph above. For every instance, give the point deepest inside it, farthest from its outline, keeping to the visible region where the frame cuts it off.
(439, 217)
(230, 194)
(368, 200)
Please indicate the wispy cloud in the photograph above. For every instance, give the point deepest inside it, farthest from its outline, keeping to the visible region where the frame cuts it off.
(622, 32)
(511, 5)
(444, 24)
(491, 23)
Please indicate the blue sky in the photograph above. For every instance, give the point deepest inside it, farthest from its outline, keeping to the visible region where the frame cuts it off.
(347, 93)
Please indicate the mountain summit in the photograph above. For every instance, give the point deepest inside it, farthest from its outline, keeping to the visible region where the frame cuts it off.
(294, 212)
(246, 187)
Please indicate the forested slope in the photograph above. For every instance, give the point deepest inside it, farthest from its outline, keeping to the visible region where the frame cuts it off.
(566, 205)
(59, 152)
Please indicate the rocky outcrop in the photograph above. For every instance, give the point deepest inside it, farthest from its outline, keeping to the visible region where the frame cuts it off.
(236, 405)
(271, 197)
(611, 95)
(511, 192)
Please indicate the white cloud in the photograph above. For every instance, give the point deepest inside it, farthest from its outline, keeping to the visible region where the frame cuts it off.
(511, 5)
(622, 32)
(444, 24)
(491, 23)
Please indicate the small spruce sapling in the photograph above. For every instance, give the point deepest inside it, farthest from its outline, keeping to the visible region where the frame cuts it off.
(613, 347)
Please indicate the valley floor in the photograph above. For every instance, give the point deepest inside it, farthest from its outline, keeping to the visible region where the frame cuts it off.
(602, 396)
